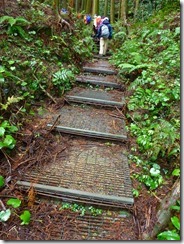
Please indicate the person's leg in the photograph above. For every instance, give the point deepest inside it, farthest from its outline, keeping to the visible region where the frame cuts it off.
(101, 51)
(105, 46)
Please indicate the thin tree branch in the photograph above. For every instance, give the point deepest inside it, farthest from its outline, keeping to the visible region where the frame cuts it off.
(10, 167)
(47, 93)
(2, 204)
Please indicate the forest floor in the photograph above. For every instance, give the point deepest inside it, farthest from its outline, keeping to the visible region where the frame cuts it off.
(46, 217)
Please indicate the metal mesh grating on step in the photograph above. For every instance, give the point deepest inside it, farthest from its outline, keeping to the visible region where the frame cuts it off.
(93, 122)
(87, 171)
(95, 228)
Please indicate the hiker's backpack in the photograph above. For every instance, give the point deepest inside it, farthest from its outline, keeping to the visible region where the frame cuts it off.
(105, 31)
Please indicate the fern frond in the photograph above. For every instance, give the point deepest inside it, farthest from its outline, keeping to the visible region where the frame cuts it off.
(10, 20)
(11, 100)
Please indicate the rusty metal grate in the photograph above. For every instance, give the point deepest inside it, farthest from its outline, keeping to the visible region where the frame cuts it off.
(91, 122)
(98, 80)
(102, 66)
(92, 171)
(99, 70)
(93, 96)
(96, 228)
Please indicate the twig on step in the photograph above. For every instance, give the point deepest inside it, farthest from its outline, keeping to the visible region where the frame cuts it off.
(120, 112)
(53, 124)
(2, 204)
(46, 92)
(116, 116)
(25, 161)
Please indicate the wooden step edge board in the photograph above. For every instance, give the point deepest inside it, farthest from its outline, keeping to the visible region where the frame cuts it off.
(94, 100)
(99, 70)
(90, 133)
(101, 57)
(78, 193)
(100, 83)
(80, 200)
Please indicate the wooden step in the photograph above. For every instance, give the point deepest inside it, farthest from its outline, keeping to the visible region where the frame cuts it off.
(89, 122)
(97, 96)
(98, 81)
(99, 70)
(72, 173)
(97, 56)
(53, 190)
(88, 133)
(88, 100)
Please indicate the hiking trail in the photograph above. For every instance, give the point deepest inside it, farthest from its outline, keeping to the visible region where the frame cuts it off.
(94, 169)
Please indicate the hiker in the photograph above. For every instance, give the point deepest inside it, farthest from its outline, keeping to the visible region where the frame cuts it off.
(87, 19)
(96, 24)
(104, 34)
(64, 11)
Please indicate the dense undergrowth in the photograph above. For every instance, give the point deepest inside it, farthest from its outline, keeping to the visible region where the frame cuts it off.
(149, 62)
(39, 58)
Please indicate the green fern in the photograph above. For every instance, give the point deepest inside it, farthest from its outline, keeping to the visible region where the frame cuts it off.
(16, 29)
(130, 67)
(10, 101)
(14, 25)
(12, 21)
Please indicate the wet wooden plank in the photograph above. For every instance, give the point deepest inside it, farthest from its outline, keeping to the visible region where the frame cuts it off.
(77, 193)
(98, 82)
(89, 133)
(99, 70)
(94, 101)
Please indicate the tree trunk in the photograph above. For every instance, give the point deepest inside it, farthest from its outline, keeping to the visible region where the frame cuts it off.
(71, 3)
(106, 8)
(56, 6)
(88, 6)
(76, 5)
(112, 11)
(164, 212)
(136, 8)
(83, 5)
(119, 10)
(64, 4)
(95, 9)
(124, 12)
